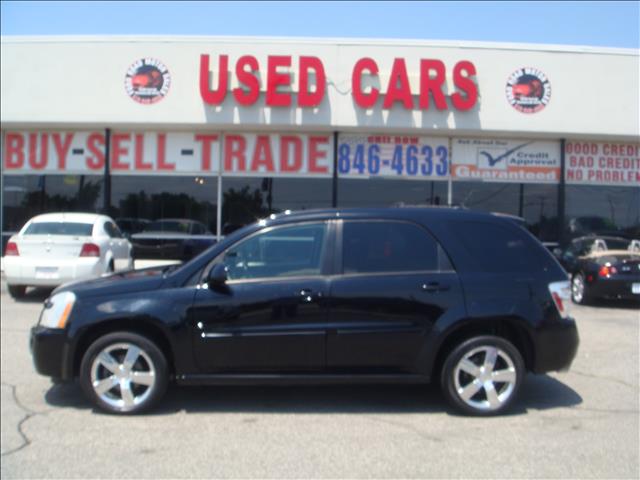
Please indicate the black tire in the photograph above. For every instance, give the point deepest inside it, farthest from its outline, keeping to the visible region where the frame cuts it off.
(580, 294)
(454, 377)
(17, 291)
(142, 396)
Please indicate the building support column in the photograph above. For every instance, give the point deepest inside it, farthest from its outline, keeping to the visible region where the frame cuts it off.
(561, 193)
(334, 184)
(106, 203)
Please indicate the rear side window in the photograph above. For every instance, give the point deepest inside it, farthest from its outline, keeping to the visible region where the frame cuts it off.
(112, 230)
(60, 228)
(497, 248)
(370, 247)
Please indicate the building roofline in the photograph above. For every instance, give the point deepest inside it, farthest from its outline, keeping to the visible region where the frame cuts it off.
(459, 44)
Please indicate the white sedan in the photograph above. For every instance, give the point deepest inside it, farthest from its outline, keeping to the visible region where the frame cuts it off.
(55, 248)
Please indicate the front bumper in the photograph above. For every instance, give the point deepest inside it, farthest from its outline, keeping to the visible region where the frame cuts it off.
(556, 346)
(49, 351)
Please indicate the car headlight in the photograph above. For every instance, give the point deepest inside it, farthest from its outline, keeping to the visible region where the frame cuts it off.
(57, 310)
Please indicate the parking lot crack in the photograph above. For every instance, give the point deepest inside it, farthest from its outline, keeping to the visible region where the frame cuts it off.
(601, 377)
(28, 414)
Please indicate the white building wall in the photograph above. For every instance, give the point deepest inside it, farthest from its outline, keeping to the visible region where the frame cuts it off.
(61, 82)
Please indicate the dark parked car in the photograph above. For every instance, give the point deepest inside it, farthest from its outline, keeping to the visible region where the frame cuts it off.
(363, 295)
(129, 226)
(612, 274)
(172, 238)
(580, 247)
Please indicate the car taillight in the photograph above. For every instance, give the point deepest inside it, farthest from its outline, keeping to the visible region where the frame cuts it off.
(90, 250)
(12, 249)
(607, 271)
(561, 295)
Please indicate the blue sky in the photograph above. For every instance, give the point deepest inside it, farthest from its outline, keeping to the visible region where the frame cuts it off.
(609, 24)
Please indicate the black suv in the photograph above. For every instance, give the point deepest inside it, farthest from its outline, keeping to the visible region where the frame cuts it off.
(362, 295)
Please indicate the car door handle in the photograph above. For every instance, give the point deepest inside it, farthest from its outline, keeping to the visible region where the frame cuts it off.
(431, 287)
(307, 295)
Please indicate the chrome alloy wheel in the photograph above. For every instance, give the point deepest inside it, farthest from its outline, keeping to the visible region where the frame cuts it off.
(123, 376)
(485, 378)
(577, 288)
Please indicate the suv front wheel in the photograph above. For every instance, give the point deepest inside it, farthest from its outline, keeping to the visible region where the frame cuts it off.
(124, 372)
(482, 375)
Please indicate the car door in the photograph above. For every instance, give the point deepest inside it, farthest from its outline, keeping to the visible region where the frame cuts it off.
(271, 314)
(396, 281)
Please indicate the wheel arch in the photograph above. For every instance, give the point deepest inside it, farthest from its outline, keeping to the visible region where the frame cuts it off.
(146, 329)
(509, 328)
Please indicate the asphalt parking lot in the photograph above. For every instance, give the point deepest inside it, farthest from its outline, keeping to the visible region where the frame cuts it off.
(579, 424)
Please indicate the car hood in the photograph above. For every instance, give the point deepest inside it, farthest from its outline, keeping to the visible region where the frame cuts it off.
(131, 281)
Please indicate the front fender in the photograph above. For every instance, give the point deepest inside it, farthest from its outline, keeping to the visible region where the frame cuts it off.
(164, 312)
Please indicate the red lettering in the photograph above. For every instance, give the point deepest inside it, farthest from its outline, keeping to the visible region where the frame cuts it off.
(315, 154)
(214, 97)
(138, 145)
(162, 154)
(398, 89)
(247, 78)
(262, 155)
(13, 151)
(465, 84)
(97, 161)
(62, 149)
(432, 85)
(305, 97)
(234, 148)
(276, 79)
(287, 164)
(119, 150)
(206, 140)
(364, 100)
(34, 162)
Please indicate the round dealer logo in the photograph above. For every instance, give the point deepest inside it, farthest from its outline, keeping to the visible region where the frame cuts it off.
(147, 81)
(528, 90)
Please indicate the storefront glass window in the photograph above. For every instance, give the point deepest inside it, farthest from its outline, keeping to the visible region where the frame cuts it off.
(138, 200)
(383, 192)
(602, 209)
(246, 199)
(25, 196)
(536, 203)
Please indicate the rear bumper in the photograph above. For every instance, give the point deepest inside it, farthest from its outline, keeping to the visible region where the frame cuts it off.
(556, 346)
(49, 351)
(614, 288)
(33, 272)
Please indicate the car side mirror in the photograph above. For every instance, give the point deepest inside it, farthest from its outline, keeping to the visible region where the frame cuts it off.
(217, 276)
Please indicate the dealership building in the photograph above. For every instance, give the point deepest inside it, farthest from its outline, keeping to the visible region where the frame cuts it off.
(227, 130)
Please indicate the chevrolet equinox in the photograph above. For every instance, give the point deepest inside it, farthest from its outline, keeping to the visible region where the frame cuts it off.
(396, 295)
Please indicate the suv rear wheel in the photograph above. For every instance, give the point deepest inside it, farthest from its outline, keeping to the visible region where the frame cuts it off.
(482, 375)
(124, 372)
